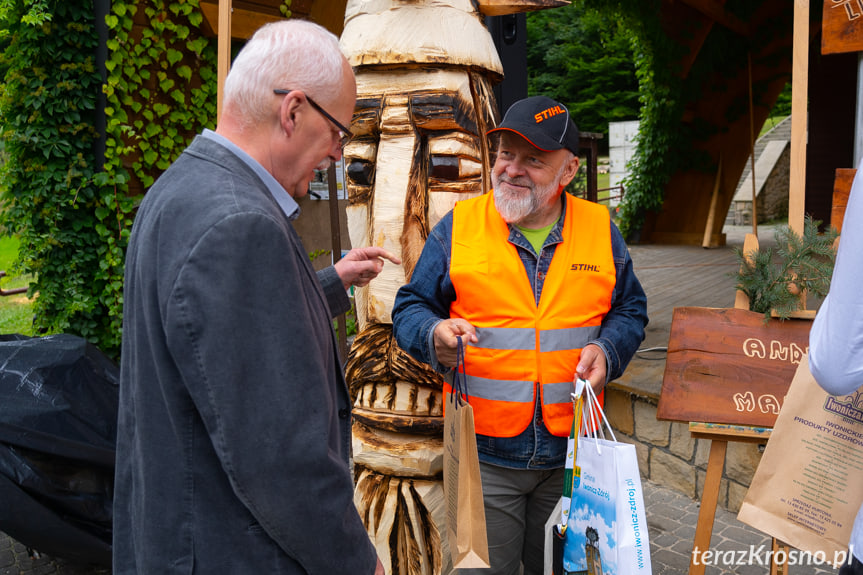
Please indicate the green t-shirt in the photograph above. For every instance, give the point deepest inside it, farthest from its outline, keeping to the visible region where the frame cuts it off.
(536, 237)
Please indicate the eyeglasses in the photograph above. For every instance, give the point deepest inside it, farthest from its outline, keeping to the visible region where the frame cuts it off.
(345, 135)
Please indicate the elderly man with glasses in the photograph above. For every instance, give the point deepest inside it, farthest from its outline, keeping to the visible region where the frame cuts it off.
(234, 419)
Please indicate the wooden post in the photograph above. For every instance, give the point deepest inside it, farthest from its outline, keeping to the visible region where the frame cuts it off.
(799, 96)
(707, 241)
(752, 148)
(223, 51)
(716, 460)
(750, 245)
(336, 238)
(777, 546)
(709, 500)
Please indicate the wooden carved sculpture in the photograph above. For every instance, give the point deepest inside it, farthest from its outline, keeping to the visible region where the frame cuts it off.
(425, 70)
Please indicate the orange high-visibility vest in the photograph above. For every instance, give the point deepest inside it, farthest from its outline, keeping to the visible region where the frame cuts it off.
(523, 346)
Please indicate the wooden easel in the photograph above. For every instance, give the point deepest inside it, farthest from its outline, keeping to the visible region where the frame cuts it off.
(719, 435)
(709, 379)
(725, 376)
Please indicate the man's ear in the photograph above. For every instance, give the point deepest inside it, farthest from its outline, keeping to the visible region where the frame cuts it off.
(569, 171)
(288, 112)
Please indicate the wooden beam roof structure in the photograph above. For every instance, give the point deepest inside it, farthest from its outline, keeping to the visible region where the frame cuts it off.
(715, 10)
(769, 47)
(238, 19)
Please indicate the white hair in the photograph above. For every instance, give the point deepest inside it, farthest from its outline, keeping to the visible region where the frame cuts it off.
(290, 54)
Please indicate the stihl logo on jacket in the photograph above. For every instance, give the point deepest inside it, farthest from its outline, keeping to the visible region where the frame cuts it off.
(584, 268)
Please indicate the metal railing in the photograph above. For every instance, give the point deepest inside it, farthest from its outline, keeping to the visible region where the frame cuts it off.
(616, 194)
(13, 291)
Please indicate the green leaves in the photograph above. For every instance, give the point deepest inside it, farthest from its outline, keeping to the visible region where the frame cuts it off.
(773, 278)
(73, 221)
(583, 57)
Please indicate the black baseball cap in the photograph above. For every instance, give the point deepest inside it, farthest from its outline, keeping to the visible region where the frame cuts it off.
(543, 122)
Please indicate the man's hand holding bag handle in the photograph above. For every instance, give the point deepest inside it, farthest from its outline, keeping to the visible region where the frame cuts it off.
(603, 526)
(466, 530)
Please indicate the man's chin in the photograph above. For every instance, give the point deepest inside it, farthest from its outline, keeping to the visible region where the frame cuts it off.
(512, 218)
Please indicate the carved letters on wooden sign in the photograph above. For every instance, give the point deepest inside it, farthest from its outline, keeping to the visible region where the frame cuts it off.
(842, 26)
(729, 366)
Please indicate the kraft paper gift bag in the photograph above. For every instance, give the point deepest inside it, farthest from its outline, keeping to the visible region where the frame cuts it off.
(468, 540)
(806, 490)
(606, 526)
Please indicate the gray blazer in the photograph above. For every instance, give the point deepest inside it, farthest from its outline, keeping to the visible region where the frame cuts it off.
(234, 422)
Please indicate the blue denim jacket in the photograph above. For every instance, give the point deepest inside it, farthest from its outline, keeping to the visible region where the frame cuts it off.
(425, 301)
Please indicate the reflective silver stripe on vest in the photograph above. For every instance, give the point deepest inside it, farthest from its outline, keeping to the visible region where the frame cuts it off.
(518, 391)
(567, 338)
(516, 338)
(524, 338)
(553, 393)
(499, 389)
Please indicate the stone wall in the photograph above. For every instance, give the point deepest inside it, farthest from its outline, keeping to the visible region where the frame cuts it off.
(669, 456)
(773, 199)
(772, 196)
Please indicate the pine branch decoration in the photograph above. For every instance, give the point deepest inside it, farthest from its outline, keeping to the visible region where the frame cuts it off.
(774, 278)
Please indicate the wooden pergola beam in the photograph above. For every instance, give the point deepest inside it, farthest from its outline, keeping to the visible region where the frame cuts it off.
(223, 51)
(799, 95)
(715, 10)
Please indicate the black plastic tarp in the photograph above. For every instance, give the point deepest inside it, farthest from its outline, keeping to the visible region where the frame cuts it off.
(58, 428)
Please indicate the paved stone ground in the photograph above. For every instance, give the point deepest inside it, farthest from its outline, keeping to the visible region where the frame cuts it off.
(671, 519)
(15, 559)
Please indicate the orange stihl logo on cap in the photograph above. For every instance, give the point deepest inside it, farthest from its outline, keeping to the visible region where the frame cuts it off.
(548, 113)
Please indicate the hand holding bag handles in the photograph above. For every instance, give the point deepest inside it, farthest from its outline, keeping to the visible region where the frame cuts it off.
(468, 540)
(606, 527)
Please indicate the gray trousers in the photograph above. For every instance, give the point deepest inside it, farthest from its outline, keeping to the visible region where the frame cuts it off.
(518, 502)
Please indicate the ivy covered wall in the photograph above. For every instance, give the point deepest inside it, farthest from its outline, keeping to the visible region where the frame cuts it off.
(72, 206)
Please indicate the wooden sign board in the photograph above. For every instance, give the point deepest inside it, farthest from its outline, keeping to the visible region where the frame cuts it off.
(842, 26)
(841, 191)
(729, 366)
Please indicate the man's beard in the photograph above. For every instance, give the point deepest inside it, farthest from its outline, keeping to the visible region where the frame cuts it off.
(514, 208)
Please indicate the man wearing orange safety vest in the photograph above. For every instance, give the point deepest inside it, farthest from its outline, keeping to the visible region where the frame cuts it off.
(541, 289)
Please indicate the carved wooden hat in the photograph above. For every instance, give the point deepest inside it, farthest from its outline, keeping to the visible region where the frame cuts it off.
(450, 32)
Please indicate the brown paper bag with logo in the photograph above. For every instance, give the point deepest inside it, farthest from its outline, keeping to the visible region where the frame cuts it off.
(806, 490)
(468, 540)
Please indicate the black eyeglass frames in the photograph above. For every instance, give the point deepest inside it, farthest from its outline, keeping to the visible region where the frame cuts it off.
(345, 134)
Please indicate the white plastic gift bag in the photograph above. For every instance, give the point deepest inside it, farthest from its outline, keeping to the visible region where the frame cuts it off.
(606, 526)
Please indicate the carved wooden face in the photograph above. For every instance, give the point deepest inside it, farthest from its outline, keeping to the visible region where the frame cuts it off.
(419, 146)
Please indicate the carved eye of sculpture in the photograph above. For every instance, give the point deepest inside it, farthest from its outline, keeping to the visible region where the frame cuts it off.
(361, 172)
(360, 160)
(453, 168)
(454, 162)
(444, 167)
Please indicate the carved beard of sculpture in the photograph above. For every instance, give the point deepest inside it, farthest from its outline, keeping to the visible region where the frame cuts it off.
(418, 148)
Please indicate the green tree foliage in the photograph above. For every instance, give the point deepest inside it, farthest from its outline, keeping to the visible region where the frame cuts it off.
(34, 12)
(584, 48)
(782, 107)
(581, 54)
(584, 58)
